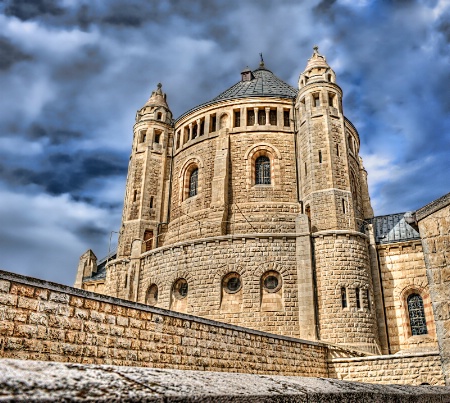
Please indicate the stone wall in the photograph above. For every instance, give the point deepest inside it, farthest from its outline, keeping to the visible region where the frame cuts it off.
(204, 265)
(403, 272)
(434, 226)
(51, 322)
(412, 369)
(342, 268)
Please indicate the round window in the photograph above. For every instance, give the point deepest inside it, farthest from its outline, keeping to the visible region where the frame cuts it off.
(152, 295)
(180, 288)
(271, 281)
(232, 283)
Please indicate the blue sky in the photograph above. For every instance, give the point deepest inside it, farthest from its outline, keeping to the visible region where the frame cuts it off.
(74, 72)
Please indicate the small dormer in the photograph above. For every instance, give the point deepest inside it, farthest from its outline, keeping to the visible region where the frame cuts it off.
(247, 74)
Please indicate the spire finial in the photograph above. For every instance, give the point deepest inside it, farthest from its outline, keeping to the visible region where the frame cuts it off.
(159, 86)
(261, 63)
(316, 49)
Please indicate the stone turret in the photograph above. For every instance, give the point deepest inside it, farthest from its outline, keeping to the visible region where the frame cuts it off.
(147, 189)
(327, 156)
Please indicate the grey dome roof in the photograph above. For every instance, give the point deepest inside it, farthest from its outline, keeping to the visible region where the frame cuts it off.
(264, 83)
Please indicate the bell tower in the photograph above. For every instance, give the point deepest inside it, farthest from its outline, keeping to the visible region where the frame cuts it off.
(332, 197)
(146, 188)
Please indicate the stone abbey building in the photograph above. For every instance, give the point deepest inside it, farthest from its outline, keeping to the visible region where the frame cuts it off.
(253, 209)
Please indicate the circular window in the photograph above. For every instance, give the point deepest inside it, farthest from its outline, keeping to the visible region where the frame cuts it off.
(232, 283)
(180, 288)
(152, 295)
(271, 281)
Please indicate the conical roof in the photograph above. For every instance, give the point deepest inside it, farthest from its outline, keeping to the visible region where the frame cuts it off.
(158, 98)
(263, 84)
(316, 60)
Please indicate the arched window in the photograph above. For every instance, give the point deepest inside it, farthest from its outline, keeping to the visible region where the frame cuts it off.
(193, 183)
(262, 170)
(416, 315)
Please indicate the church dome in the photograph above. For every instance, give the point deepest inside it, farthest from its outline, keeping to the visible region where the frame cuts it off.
(258, 83)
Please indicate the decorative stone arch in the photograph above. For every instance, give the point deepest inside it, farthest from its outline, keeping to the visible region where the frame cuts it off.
(224, 121)
(401, 293)
(150, 281)
(258, 150)
(178, 275)
(192, 163)
(271, 299)
(160, 114)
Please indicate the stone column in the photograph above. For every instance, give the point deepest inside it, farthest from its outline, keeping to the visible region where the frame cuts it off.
(306, 298)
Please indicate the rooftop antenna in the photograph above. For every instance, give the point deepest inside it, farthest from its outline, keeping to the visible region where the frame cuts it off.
(261, 63)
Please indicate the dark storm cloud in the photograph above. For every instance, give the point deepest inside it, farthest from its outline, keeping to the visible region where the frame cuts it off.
(75, 72)
(28, 9)
(10, 54)
(62, 173)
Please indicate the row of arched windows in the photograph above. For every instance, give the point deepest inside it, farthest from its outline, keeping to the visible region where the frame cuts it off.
(262, 169)
(271, 282)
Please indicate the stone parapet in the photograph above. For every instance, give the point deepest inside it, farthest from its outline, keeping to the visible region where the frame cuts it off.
(50, 322)
(412, 369)
(56, 382)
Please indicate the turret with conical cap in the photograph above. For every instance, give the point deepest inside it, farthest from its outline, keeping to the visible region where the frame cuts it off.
(147, 189)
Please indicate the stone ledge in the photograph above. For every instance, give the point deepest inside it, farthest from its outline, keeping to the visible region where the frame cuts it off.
(432, 207)
(35, 381)
(385, 357)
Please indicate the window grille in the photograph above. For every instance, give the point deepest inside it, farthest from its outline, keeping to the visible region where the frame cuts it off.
(262, 170)
(193, 183)
(261, 117)
(416, 315)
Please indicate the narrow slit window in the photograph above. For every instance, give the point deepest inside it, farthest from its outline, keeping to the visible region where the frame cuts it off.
(202, 127)
(358, 298)
(261, 117)
(193, 183)
(194, 130)
(178, 139)
(306, 170)
(368, 299)
(343, 206)
(286, 119)
(135, 195)
(148, 240)
(237, 119)
(213, 123)
(151, 202)
(344, 297)
(337, 150)
(143, 136)
(262, 170)
(250, 117)
(273, 117)
(331, 100)
(316, 100)
(157, 137)
(320, 156)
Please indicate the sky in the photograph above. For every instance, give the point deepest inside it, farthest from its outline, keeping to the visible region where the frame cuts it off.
(73, 73)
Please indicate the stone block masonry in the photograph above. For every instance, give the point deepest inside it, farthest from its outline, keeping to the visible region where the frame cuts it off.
(50, 322)
(406, 369)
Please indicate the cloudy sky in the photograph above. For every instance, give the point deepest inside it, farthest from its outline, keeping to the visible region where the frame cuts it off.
(74, 72)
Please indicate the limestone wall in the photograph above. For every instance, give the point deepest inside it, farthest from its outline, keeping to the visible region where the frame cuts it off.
(204, 264)
(412, 369)
(434, 226)
(403, 272)
(50, 322)
(345, 294)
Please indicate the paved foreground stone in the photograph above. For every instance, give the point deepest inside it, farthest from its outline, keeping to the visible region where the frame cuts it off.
(37, 381)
